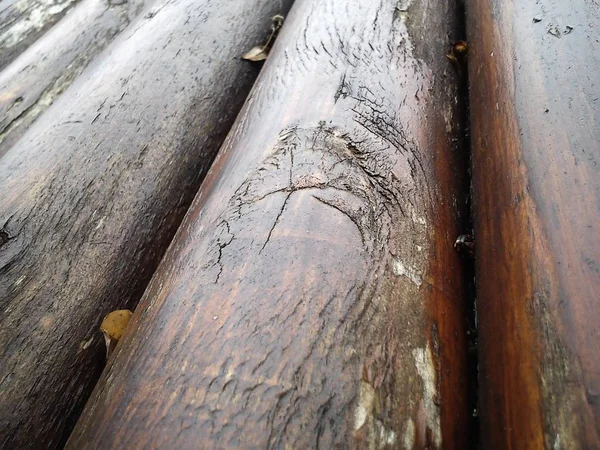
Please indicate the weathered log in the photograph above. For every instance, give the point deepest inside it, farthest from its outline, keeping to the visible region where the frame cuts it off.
(24, 21)
(94, 191)
(312, 298)
(535, 89)
(34, 80)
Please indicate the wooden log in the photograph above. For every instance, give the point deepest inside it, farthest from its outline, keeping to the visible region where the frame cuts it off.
(22, 22)
(33, 81)
(312, 298)
(94, 191)
(535, 88)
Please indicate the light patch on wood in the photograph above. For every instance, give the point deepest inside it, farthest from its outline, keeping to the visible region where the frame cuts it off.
(99, 224)
(426, 370)
(365, 404)
(557, 442)
(418, 219)
(448, 118)
(378, 436)
(84, 345)
(47, 322)
(408, 439)
(401, 269)
(386, 436)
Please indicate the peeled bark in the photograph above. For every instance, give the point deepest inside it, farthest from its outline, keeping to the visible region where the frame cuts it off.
(312, 298)
(24, 21)
(535, 86)
(33, 81)
(94, 191)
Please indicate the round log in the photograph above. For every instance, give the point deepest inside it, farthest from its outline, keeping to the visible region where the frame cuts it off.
(22, 22)
(33, 81)
(94, 191)
(312, 298)
(535, 89)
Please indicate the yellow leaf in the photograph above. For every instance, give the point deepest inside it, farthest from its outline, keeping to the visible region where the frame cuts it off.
(460, 48)
(112, 328)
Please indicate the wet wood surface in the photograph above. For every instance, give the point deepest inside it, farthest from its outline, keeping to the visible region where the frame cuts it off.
(312, 298)
(30, 84)
(535, 89)
(22, 22)
(94, 191)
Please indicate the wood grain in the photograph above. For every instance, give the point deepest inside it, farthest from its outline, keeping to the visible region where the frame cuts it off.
(312, 298)
(22, 22)
(37, 77)
(94, 191)
(535, 88)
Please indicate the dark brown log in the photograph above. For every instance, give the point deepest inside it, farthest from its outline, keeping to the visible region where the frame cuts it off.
(312, 298)
(94, 191)
(24, 21)
(33, 81)
(535, 89)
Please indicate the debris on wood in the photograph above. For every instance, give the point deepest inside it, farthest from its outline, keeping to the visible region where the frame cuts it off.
(458, 53)
(113, 326)
(465, 245)
(261, 52)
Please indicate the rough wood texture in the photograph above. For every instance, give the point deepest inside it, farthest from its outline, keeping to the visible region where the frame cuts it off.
(535, 89)
(24, 21)
(33, 81)
(93, 193)
(312, 297)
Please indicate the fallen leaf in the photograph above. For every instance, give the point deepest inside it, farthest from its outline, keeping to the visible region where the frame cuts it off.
(112, 328)
(458, 53)
(261, 52)
(258, 53)
(460, 48)
(465, 245)
(452, 58)
(277, 22)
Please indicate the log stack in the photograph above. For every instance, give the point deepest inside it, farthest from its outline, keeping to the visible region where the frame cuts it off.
(535, 89)
(312, 297)
(93, 192)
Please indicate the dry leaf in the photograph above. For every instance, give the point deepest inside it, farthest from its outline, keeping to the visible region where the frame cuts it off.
(112, 328)
(258, 53)
(458, 53)
(460, 48)
(452, 58)
(277, 22)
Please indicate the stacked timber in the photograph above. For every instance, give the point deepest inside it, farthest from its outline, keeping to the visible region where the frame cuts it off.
(312, 297)
(93, 192)
(535, 89)
(38, 76)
